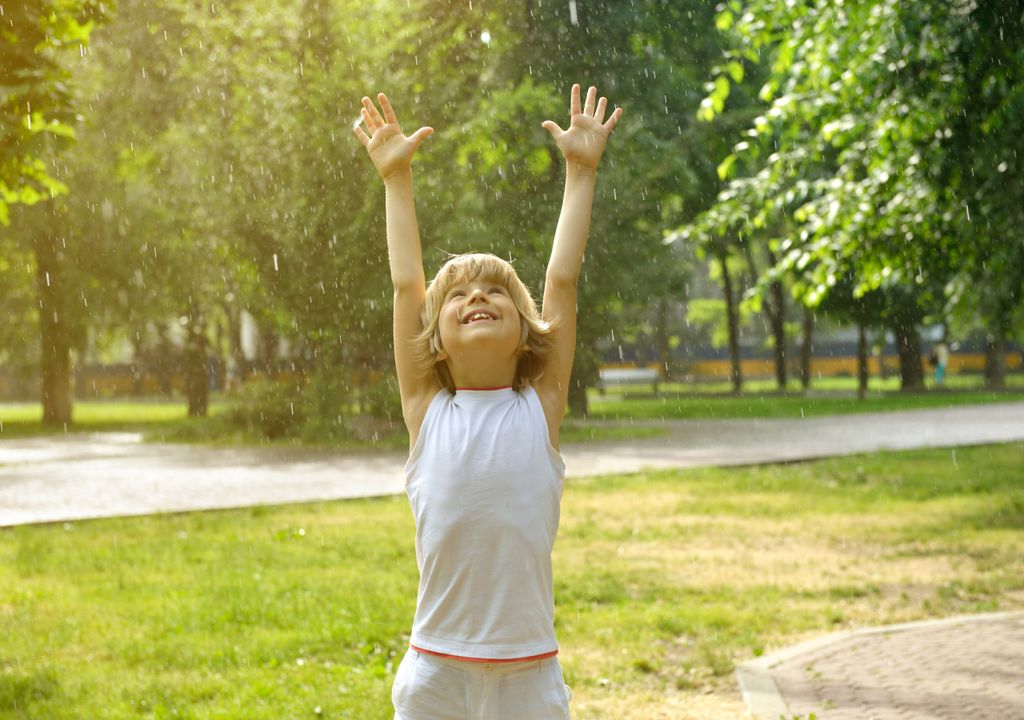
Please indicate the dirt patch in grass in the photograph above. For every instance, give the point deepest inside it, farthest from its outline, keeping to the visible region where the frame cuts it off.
(618, 704)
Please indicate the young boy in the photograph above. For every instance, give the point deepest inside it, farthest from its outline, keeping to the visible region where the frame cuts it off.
(484, 381)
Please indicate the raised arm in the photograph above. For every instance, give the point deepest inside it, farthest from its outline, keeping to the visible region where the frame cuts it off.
(582, 146)
(392, 153)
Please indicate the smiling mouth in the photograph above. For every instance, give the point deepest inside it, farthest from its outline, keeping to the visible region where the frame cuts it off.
(478, 315)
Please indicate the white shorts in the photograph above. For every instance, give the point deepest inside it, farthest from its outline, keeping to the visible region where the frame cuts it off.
(430, 687)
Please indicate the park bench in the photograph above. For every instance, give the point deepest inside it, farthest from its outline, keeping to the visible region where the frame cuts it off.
(627, 376)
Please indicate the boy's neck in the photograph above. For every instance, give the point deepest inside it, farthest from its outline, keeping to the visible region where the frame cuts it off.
(490, 376)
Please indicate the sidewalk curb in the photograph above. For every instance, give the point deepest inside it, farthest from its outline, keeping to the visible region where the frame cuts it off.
(762, 695)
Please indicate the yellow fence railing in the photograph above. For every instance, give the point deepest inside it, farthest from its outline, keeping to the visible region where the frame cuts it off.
(830, 366)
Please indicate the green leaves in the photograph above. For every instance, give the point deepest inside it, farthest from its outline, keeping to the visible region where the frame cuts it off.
(723, 21)
(876, 136)
(714, 103)
(725, 166)
(38, 38)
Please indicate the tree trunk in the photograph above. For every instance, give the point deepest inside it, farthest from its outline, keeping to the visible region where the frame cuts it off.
(882, 371)
(238, 369)
(775, 309)
(995, 361)
(663, 345)
(908, 345)
(584, 374)
(55, 357)
(266, 351)
(138, 363)
(164, 360)
(197, 387)
(731, 312)
(806, 349)
(862, 361)
(778, 320)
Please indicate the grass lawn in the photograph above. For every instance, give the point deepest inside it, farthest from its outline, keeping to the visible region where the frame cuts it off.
(636, 406)
(761, 398)
(664, 581)
(611, 418)
(167, 421)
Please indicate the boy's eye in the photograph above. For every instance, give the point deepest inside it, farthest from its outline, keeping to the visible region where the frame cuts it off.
(458, 293)
(497, 290)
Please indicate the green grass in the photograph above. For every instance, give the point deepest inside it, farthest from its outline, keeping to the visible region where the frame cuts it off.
(611, 413)
(167, 421)
(24, 419)
(638, 406)
(664, 581)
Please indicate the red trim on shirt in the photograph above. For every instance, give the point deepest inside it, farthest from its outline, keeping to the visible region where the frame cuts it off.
(503, 387)
(485, 660)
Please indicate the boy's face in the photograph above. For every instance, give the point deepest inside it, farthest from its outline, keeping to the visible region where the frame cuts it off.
(479, 322)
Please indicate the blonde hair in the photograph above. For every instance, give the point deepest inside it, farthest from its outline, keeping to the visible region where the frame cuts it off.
(536, 333)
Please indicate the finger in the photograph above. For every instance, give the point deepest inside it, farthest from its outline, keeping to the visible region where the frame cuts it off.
(602, 104)
(365, 118)
(588, 109)
(389, 112)
(364, 112)
(363, 138)
(613, 120)
(420, 135)
(373, 114)
(552, 127)
(368, 120)
(574, 102)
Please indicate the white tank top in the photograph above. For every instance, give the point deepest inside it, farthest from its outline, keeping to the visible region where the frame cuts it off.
(485, 485)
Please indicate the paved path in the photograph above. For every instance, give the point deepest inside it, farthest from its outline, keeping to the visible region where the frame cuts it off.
(82, 476)
(968, 668)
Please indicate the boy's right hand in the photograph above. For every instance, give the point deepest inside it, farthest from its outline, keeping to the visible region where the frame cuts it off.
(390, 150)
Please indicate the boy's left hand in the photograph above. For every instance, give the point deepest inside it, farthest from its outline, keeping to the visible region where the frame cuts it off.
(583, 143)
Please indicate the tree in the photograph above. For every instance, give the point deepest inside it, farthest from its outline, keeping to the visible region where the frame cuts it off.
(224, 178)
(655, 174)
(877, 114)
(38, 37)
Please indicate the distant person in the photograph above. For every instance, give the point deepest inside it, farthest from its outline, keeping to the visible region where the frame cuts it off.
(941, 353)
(484, 380)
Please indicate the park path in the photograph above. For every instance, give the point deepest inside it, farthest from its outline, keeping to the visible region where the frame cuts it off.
(60, 478)
(949, 669)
